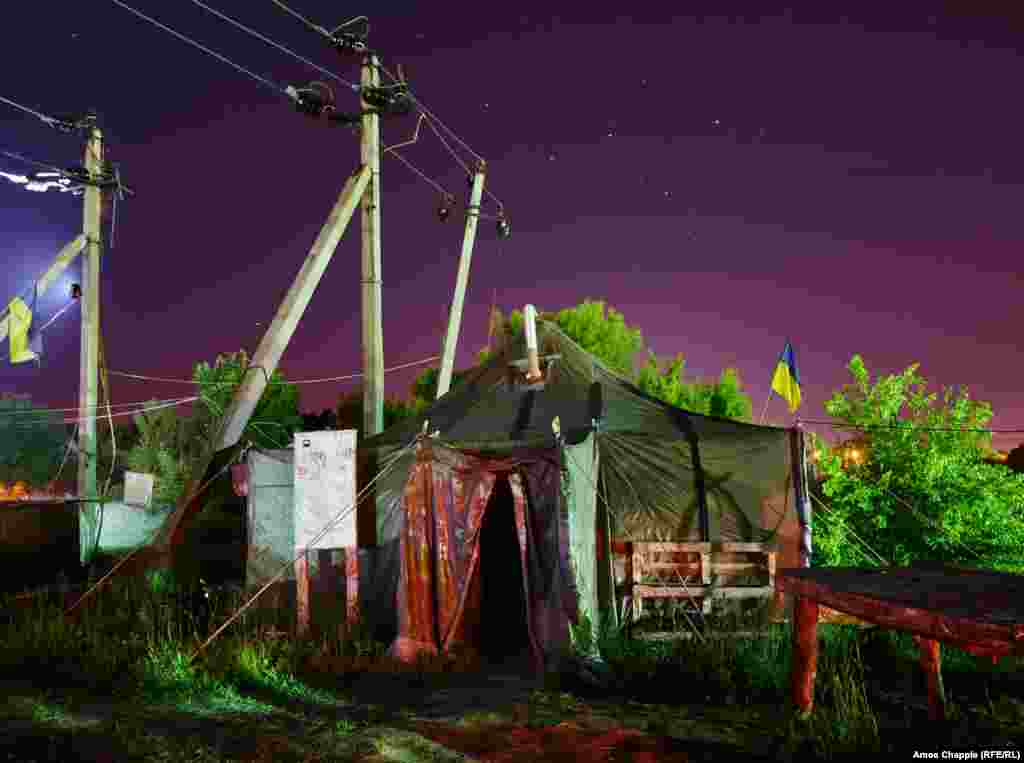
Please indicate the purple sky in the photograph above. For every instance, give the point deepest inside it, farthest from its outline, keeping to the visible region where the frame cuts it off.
(855, 185)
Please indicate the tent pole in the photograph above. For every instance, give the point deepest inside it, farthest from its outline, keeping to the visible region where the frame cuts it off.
(800, 485)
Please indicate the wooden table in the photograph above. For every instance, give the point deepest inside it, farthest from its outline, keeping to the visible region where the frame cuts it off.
(981, 612)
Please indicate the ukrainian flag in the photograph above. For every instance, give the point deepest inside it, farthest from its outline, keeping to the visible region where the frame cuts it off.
(19, 319)
(786, 380)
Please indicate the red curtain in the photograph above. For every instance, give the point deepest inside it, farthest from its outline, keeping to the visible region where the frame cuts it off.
(444, 509)
(438, 590)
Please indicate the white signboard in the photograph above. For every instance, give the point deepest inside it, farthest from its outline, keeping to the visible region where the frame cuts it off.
(138, 489)
(325, 487)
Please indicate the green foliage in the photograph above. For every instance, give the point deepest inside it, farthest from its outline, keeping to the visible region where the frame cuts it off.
(424, 389)
(32, 442)
(276, 417)
(605, 335)
(167, 448)
(923, 490)
(723, 398)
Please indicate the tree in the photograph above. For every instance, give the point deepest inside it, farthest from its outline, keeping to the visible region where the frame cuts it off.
(605, 335)
(167, 447)
(349, 413)
(424, 389)
(921, 489)
(32, 442)
(723, 398)
(1015, 459)
(276, 417)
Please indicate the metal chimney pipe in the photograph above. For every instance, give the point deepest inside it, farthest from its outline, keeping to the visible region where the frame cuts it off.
(532, 359)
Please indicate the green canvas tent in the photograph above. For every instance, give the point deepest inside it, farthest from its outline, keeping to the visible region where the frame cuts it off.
(490, 524)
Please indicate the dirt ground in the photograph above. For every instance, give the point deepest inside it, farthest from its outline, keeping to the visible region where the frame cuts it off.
(473, 717)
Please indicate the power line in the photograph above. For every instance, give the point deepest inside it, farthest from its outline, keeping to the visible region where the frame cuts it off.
(42, 413)
(48, 120)
(82, 419)
(455, 156)
(433, 121)
(300, 17)
(908, 425)
(277, 45)
(419, 172)
(33, 162)
(432, 115)
(300, 381)
(190, 41)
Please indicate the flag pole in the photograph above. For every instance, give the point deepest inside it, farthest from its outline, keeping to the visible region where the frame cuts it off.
(765, 409)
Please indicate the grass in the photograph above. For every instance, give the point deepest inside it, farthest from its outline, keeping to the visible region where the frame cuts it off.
(133, 650)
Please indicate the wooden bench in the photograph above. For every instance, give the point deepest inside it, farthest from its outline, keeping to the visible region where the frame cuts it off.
(702, 566)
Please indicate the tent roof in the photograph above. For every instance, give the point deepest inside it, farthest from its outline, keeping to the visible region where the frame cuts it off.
(490, 407)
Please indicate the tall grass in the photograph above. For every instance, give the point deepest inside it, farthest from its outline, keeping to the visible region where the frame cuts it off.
(713, 668)
(136, 642)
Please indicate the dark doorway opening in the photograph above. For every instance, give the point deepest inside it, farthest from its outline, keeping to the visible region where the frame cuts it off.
(504, 637)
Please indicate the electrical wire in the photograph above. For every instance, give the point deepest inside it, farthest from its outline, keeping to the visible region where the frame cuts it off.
(303, 19)
(190, 41)
(909, 426)
(50, 121)
(83, 419)
(277, 45)
(300, 381)
(424, 111)
(412, 140)
(422, 174)
(432, 115)
(430, 121)
(833, 516)
(110, 418)
(67, 450)
(41, 413)
(33, 162)
(57, 315)
(440, 137)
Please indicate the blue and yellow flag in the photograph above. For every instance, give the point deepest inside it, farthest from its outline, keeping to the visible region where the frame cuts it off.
(786, 380)
(19, 319)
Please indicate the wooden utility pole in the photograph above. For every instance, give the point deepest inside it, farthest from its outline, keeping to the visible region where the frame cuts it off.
(279, 333)
(268, 353)
(451, 338)
(373, 340)
(88, 381)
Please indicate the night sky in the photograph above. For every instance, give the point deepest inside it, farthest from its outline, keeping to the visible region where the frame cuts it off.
(854, 184)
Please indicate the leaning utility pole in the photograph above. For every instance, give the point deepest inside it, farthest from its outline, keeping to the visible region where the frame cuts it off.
(373, 341)
(269, 352)
(279, 333)
(451, 338)
(89, 362)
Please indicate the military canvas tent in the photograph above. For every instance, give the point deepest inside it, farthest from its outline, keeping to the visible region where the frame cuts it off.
(492, 519)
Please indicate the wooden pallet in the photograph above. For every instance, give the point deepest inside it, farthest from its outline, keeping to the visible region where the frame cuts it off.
(704, 567)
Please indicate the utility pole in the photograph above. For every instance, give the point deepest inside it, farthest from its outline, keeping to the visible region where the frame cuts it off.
(279, 333)
(271, 347)
(89, 362)
(451, 338)
(373, 340)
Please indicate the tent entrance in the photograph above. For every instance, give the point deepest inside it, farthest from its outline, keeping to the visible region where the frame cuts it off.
(503, 631)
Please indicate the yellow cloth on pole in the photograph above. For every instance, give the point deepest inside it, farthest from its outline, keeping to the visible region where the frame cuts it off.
(19, 319)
